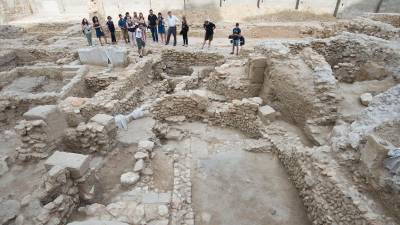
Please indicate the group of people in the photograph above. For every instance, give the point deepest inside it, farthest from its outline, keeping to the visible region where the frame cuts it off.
(133, 30)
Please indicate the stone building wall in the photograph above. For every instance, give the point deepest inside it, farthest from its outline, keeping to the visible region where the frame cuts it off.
(98, 135)
(328, 195)
(195, 105)
(178, 63)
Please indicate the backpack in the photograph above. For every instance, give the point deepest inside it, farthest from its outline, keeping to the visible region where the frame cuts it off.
(242, 41)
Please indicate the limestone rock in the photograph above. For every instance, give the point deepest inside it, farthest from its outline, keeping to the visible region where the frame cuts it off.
(97, 222)
(102, 56)
(141, 155)
(129, 178)
(9, 209)
(3, 165)
(77, 164)
(267, 114)
(146, 145)
(159, 222)
(366, 98)
(139, 165)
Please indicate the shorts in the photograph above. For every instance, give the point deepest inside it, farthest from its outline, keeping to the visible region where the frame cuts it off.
(236, 42)
(209, 37)
(140, 43)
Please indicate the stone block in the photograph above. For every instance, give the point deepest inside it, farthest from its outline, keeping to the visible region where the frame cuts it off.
(267, 114)
(77, 164)
(146, 145)
(102, 56)
(256, 68)
(55, 120)
(97, 222)
(372, 158)
(104, 119)
(256, 74)
(117, 56)
(42, 112)
(366, 98)
(93, 56)
(129, 178)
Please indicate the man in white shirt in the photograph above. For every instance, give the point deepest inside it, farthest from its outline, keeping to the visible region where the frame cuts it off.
(171, 21)
(139, 35)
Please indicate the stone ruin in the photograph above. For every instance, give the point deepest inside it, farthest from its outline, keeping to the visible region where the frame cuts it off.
(324, 109)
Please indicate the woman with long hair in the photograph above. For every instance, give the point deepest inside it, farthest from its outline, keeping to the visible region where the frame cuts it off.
(87, 31)
(99, 29)
(184, 31)
(142, 22)
(161, 27)
(135, 18)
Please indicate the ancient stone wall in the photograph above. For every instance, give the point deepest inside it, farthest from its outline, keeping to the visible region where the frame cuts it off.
(357, 57)
(98, 135)
(35, 140)
(301, 87)
(178, 63)
(120, 96)
(241, 114)
(329, 197)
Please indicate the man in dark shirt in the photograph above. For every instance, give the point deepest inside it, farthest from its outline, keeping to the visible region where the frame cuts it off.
(152, 18)
(236, 34)
(209, 27)
(124, 29)
(111, 28)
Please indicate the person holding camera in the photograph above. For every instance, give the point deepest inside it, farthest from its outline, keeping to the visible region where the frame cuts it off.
(236, 39)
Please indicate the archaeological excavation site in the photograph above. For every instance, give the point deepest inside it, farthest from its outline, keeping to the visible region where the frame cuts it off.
(301, 128)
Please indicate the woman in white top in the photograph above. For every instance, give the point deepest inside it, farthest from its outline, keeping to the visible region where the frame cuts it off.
(139, 35)
(87, 31)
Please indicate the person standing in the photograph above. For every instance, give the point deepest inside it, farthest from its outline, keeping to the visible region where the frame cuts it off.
(127, 16)
(131, 27)
(161, 27)
(142, 21)
(124, 29)
(171, 21)
(87, 31)
(209, 27)
(139, 35)
(152, 18)
(111, 28)
(99, 29)
(184, 31)
(236, 35)
(135, 18)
